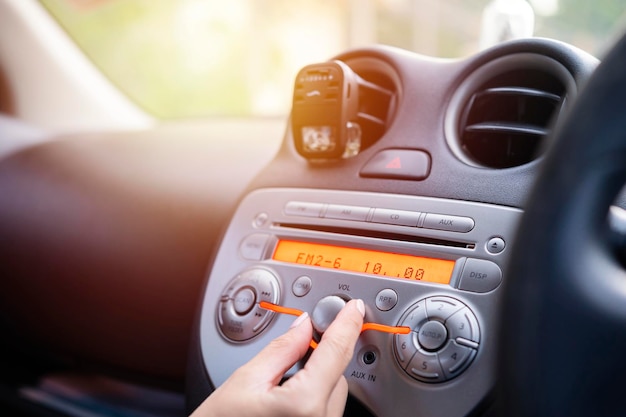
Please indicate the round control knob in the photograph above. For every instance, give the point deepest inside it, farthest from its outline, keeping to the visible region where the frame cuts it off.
(243, 301)
(325, 312)
(432, 335)
(239, 315)
(444, 339)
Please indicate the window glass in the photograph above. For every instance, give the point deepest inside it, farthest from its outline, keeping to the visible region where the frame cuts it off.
(191, 58)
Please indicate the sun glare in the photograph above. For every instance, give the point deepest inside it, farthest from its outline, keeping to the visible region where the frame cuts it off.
(198, 58)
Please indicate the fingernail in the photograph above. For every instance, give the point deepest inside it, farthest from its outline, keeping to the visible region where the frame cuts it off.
(361, 307)
(302, 317)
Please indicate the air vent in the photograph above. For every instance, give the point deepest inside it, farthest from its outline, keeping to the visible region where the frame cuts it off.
(505, 122)
(507, 109)
(378, 95)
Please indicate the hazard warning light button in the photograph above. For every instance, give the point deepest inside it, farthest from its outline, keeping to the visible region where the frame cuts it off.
(407, 164)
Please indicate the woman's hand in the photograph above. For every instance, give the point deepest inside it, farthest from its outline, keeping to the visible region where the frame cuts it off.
(319, 389)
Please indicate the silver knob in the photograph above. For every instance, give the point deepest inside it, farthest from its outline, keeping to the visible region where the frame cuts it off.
(325, 312)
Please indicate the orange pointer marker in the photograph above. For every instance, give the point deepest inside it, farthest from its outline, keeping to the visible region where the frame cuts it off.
(366, 326)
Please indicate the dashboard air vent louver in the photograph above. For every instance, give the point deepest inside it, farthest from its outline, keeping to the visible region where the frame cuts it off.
(378, 97)
(505, 124)
(507, 110)
(376, 107)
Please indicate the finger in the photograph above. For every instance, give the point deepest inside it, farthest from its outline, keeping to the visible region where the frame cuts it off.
(269, 365)
(329, 360)
(337, 400)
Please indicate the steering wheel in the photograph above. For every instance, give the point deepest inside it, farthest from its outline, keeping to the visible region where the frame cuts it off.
(563, 350)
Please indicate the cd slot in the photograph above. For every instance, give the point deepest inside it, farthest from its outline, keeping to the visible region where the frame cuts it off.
(378, 235)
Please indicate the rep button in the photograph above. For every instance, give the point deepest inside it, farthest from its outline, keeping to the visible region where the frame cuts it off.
(386, 299)
(480, 276)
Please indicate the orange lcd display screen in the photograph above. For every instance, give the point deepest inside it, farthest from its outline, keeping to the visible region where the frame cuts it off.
(388, 264)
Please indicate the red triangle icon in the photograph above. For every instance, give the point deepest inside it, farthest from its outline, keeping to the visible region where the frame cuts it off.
(395, 163)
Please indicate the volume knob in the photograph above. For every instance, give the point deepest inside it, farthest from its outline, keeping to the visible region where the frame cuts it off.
(325, 312)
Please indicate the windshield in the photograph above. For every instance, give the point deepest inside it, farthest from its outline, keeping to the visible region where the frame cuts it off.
(192, 58)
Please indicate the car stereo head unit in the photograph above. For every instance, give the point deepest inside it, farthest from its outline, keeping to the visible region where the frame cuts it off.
(429, 271)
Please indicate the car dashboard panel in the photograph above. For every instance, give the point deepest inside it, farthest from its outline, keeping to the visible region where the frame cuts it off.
(120, 247)
(418, 223)
(410, 271)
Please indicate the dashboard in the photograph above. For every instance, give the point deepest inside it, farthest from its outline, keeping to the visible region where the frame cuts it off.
(418, 221)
